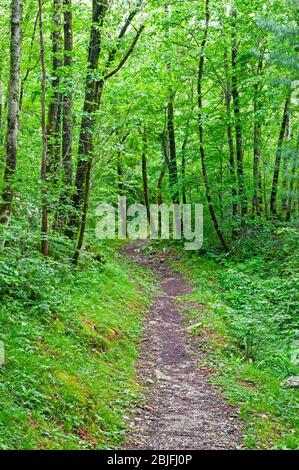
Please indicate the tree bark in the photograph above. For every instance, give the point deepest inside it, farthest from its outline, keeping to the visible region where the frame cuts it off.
(63, 216)
(292, 183)
(54, 112)
(232, 170)
(201, 130)
(184, 146)
(84, 213)
(285, 169)
(44, 232)
(145, 178)
(93, 92)
(257, 145)
(67, 127)
(30, 67)
(238, 124)
(283, 127)
(173, 171)
(120, 174)
(13, 111)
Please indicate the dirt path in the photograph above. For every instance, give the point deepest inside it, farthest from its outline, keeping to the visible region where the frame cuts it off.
(183, 411)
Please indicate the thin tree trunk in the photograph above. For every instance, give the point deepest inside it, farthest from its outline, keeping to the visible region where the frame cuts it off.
(283, 127)
(13, 111)
(159, 183)
(120, 174)
(184, 146)
(285, 170)
(173, 171)
(1, 106)
(238, 125)
(119, 167)
(62, 217)
(159, 196)
(53, 125)
(145, 178)
(201, 130)
(30, 67)
(67, 126)
(232, 170)
(257, 145)
(44, 234)
(93, 93)
(84, 213)
(292, 182)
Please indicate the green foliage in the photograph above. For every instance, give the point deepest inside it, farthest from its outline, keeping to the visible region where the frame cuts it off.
(70, 341)
(70, 334)
(249, 328)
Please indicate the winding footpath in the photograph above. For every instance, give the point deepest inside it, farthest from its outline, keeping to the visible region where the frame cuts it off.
(183, 411)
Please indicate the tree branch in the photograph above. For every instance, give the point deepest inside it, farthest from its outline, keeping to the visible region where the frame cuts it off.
(122, 33)
(126, 56)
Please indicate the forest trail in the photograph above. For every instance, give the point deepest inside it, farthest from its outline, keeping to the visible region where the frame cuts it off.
(183, 411)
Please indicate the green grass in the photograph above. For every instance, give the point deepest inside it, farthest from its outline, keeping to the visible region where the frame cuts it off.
(71, 346)
(247, 324)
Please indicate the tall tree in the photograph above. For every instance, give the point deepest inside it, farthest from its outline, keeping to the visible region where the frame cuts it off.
(232, 170)
(237, 112)
(173, 171)
(63, 213)
(13, 111)
(67, 100)
(145, 176)
(257, 140)
(44, 231)
(292, 182)
(201, 128)
(283, 127)
(95, 86)
(93, 94)
(54, 112)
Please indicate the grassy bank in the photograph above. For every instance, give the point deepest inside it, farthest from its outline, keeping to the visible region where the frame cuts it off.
(70, 341)
(249, 326)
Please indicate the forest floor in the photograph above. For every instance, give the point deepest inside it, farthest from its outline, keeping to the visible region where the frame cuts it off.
(182, 410)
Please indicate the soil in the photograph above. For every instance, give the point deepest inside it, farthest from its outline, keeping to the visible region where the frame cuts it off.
(182, 410)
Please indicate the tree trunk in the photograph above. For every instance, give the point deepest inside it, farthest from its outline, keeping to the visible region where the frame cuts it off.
(53, 125)
(30, 67)
(257, 145)
(201, 131)
(173, 171)
(184, 146)
(93, 92)
(292, 183)
(13, 111)
(232, 170)
(1, 106)
(145, 178)
(44, 234)
(120, 174)
(283, 128)
(285, 169)
(67, 126)
(238, 125)
(84, 213)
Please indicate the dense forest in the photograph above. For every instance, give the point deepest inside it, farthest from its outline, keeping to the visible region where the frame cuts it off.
(179, 102)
